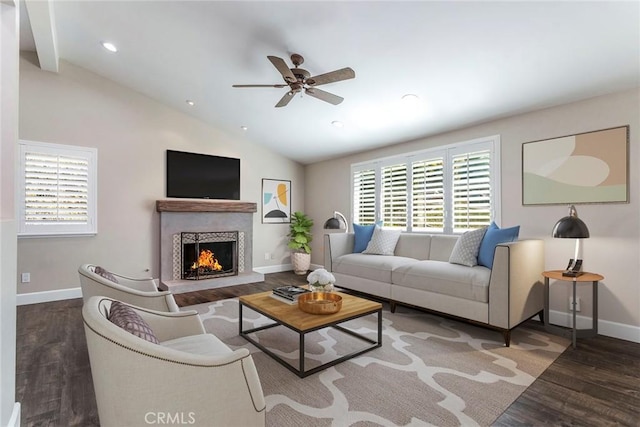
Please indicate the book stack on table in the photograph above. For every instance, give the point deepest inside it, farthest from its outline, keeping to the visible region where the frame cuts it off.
(288, 294)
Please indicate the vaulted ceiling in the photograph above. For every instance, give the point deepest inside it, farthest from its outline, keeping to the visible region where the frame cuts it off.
(467, 62)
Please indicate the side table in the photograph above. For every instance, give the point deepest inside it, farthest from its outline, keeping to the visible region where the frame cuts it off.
(583, 278)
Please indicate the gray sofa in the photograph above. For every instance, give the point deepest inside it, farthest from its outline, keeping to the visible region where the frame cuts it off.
(419, 274)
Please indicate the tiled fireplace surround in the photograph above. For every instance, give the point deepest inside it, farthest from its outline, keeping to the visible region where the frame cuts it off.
(179, 215)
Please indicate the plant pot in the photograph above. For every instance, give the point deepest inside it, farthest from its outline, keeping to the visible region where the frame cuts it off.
(301, 262)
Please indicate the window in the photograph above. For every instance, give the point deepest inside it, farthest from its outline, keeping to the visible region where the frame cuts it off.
(427, 194)
(448, 189)
(364, 192)
(394, 195)
(58, 189)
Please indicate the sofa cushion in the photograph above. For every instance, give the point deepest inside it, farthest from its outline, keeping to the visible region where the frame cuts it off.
(383, 242)
(362, 235)
(126, 318)
(413, 245)
(442, 277)
(369, 267)
(465, 252)
(441, 247)
(491, 239)
(203, 344)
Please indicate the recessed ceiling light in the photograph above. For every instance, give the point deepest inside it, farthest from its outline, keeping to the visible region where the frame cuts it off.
(190, 102)
(109, 46)
(410, 98)
(337, 123)
(244, 127)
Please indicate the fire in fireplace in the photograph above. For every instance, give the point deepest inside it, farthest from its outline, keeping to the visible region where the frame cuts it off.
(209, 255)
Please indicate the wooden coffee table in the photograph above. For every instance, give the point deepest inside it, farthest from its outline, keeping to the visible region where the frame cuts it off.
(290, 316)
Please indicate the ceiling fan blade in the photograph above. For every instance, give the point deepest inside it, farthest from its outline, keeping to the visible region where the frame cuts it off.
(278, 86)
(283, 68)
(334, 76)
(285, 99)
(324, 96)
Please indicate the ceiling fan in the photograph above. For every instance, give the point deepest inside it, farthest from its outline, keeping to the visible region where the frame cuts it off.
(299, 80)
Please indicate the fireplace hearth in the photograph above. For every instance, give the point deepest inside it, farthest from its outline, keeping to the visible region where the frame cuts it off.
(208, 255)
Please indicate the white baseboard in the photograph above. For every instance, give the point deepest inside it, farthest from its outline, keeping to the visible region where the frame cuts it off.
(14, 420)
(71, 293)
(605, 327)
(282, 267)
(48, 296)
(273, 268)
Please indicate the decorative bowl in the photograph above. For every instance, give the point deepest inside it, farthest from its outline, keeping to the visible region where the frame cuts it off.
(320, 302)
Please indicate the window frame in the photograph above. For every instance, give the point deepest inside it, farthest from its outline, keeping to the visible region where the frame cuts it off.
(26, 229)
(447, 152)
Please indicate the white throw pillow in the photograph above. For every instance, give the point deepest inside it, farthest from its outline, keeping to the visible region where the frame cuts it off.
(383, 242)
(465, 251)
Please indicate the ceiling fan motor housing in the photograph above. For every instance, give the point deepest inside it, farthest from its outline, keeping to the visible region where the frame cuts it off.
(300, 74)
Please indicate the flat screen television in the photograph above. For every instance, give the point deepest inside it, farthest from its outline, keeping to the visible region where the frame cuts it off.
(201, 176)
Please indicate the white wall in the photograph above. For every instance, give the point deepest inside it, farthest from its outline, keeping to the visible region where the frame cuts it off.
(614, 247)
(9, 19)
(132, 133)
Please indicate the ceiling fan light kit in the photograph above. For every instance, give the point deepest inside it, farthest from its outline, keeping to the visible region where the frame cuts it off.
(299, 80)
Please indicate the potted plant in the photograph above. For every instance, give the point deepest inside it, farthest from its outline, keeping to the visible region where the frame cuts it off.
(299, 239)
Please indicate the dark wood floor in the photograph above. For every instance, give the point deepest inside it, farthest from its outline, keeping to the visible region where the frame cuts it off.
(597, 384)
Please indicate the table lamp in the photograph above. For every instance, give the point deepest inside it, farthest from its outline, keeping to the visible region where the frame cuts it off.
(336, 221)
(572, 227)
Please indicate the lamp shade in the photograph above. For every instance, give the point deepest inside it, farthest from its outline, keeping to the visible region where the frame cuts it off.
(332, 223)
(337, 222)
(571, 226)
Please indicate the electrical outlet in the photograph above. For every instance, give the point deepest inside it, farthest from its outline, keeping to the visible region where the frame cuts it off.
(267, 256)
(571, 304)
(273, 256)
(25, 277)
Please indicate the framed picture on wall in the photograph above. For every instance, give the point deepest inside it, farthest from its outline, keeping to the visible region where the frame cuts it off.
(276, 201)
(590, 167)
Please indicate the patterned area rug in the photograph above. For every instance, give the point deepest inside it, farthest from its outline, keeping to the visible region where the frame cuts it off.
(429, 370)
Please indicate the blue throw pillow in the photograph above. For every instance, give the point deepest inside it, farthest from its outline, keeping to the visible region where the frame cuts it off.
(363, 234)
(493, 237)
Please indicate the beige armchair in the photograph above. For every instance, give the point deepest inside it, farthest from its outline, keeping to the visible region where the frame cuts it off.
(190, 377)
(138, 292)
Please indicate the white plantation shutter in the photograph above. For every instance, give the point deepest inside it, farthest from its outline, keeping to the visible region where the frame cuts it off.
(364, 196)
(471, 187)
(394, 196)
(448, 189)
(58, 186)
(428, 195)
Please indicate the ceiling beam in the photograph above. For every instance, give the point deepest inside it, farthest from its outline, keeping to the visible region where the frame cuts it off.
(44, 33)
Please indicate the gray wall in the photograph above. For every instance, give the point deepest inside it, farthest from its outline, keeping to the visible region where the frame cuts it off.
(614, 247)
(132, 133)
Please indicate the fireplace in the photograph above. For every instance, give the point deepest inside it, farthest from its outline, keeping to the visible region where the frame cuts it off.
(205, 216)
(208, 255)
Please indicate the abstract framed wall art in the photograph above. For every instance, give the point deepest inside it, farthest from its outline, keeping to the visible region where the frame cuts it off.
(590, 167)
(276, 201)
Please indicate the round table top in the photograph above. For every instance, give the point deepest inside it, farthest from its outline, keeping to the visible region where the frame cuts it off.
(584, 277)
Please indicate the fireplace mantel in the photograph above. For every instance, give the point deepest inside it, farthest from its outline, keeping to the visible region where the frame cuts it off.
(192, 205)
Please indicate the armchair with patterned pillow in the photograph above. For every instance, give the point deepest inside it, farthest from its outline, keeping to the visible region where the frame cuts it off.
(149, 365)
(95, 280)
